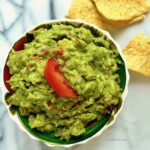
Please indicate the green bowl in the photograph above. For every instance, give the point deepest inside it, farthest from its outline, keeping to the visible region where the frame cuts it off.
(95, 129)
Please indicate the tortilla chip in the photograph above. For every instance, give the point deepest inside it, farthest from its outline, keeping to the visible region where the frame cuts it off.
(121, 13)
(137, 54)
(120, 24)
(86, 11)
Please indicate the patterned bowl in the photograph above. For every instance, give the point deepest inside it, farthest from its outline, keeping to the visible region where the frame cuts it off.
(92, 131)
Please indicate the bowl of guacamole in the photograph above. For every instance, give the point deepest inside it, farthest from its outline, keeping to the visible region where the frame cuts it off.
(65, 82)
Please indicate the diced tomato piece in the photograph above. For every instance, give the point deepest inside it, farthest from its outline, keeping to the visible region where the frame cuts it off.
(59, 52)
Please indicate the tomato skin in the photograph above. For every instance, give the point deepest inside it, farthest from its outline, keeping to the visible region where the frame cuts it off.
(56, 79)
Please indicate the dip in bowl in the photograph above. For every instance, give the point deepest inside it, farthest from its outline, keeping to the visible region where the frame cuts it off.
(65, 82)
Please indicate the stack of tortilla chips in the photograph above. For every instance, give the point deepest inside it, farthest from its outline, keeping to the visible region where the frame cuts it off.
(118, 13)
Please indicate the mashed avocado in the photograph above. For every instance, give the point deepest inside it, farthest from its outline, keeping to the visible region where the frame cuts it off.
(89, 63)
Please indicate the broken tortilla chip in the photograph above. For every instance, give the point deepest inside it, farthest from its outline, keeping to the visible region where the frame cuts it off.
(86, 11)
(137, 54)
(120, 13)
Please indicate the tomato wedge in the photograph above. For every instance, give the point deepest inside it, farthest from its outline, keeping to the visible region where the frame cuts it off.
(56, 79)
(7, 77)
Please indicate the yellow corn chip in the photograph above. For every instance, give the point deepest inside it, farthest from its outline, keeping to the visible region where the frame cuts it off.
(86, 11)
(120, 24)
(137, 54)
(121, 13)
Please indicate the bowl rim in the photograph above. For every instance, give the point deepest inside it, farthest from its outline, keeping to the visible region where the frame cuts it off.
(15, 117)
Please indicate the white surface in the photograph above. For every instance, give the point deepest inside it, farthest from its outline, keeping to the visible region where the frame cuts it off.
(132, 128)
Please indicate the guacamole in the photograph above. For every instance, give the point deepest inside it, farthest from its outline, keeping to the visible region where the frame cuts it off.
(89, 63)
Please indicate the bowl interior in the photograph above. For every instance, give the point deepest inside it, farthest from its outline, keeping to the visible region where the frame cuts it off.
(90, 131)
(52, 139)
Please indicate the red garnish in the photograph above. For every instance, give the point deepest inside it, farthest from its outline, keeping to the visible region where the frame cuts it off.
(59, 52)
(56, 79)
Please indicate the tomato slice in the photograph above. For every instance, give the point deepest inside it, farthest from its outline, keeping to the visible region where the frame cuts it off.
(56, 79)
(19, 45)
(7, 77)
